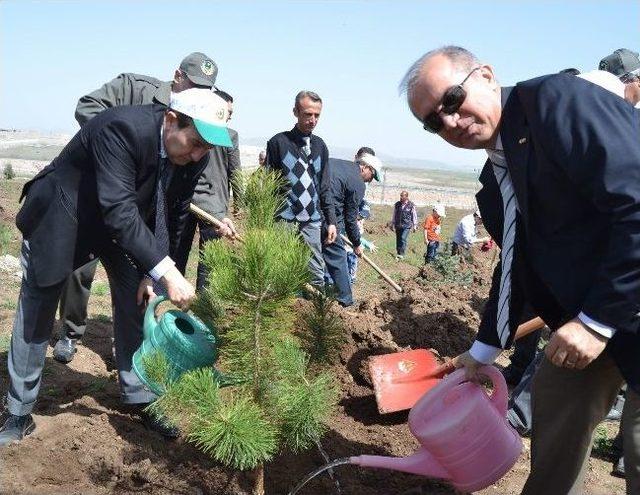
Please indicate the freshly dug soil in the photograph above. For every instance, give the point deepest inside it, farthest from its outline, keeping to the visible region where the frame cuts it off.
(86, 442)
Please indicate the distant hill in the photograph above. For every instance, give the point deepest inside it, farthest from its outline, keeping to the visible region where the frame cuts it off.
(346, 154)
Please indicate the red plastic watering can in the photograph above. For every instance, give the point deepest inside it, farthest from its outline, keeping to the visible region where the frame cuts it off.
(464, 434)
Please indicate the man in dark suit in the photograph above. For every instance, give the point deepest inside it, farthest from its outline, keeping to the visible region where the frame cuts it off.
(347, 188)
(561, 191)
(120, 190)
(196, 70)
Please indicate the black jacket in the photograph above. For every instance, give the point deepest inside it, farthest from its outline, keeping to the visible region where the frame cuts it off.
(100, 189)
(573, 152)
(347, 191)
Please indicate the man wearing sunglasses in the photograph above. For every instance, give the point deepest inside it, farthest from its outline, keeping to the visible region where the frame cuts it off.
(561, 195)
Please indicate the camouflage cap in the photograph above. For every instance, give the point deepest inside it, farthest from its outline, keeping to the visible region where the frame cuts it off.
(620, 62)
(200, 69)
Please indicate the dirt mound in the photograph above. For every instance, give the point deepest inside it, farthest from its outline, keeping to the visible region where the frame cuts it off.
(376, 229)
(86, 442)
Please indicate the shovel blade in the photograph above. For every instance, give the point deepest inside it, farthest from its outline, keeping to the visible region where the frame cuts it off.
(401, 378)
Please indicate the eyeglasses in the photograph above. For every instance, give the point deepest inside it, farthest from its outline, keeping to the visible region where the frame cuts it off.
(630, 76)
(452, 100)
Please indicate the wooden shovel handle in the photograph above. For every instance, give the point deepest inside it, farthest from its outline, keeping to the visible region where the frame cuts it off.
(528, 326)
(199, 212)
(387, 278)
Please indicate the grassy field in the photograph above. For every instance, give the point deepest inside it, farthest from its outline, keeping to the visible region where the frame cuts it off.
(31, 152)
(385, 240)
(438, 178)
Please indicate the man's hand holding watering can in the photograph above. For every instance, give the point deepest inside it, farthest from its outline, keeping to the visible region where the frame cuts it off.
(464, 360)
(179, 290)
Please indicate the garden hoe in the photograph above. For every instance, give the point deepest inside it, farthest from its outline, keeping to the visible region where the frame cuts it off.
(401, 378)
(386, 277)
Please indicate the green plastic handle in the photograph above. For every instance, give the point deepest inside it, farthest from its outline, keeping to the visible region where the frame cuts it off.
(150, 322)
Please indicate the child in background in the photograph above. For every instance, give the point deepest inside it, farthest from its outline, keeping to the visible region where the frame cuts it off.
(432, 228)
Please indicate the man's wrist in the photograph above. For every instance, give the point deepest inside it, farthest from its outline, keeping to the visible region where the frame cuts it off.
(600, 328)
(160, 270)
(484, 353)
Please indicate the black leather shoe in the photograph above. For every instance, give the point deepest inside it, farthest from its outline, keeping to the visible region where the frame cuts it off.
(159, 425)
(64, 350)
(15, 428)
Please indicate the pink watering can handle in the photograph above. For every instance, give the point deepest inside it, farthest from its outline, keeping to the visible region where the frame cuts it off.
(499, 396)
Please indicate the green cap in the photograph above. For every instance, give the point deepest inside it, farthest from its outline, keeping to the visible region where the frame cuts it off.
(209, 112)
(200, 69)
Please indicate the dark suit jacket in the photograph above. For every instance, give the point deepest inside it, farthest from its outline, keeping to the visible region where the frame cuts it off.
(347, 191)
(101, 189)
(573, 152)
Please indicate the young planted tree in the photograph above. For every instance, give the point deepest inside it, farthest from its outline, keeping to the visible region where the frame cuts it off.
(278, 402)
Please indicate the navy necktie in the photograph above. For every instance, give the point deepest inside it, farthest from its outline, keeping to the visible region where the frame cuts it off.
(162, 185)
(161, 231)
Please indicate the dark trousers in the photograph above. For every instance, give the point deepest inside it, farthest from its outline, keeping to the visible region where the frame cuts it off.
(432, 250)
(402, 234)
(335, 259)
(207, 233)
(75, 300)
(568, 404)
(33, 324)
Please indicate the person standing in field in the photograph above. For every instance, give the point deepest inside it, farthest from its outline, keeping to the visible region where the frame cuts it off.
(432, 228)
(403, 221)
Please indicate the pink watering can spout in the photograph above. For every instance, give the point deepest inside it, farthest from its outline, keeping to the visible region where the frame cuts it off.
(422, 463)
(464, 434)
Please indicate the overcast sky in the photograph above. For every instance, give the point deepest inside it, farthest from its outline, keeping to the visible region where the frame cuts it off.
(352, 53)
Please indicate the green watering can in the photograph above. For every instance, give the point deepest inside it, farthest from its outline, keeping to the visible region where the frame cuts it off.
(184, 340)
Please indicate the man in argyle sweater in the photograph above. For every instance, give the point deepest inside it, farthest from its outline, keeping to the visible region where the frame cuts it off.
(303, 160)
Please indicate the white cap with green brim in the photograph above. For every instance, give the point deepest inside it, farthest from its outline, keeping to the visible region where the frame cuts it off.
(208, 111)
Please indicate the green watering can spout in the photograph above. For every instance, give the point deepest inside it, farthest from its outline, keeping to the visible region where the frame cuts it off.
(181, 338)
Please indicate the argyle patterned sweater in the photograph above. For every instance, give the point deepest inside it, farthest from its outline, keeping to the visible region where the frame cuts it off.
(306, 175)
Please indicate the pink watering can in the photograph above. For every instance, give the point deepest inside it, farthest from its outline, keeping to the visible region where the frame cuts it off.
(464, 434)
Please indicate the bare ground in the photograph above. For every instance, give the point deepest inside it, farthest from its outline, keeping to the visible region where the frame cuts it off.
(86, 442)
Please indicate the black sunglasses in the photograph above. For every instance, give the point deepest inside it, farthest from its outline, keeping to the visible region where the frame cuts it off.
(452, 100)
(630, 77)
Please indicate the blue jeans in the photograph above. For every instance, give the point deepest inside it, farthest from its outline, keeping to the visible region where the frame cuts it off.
(352, 263)
(335, 260)
(402, 233)
(432, 249)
